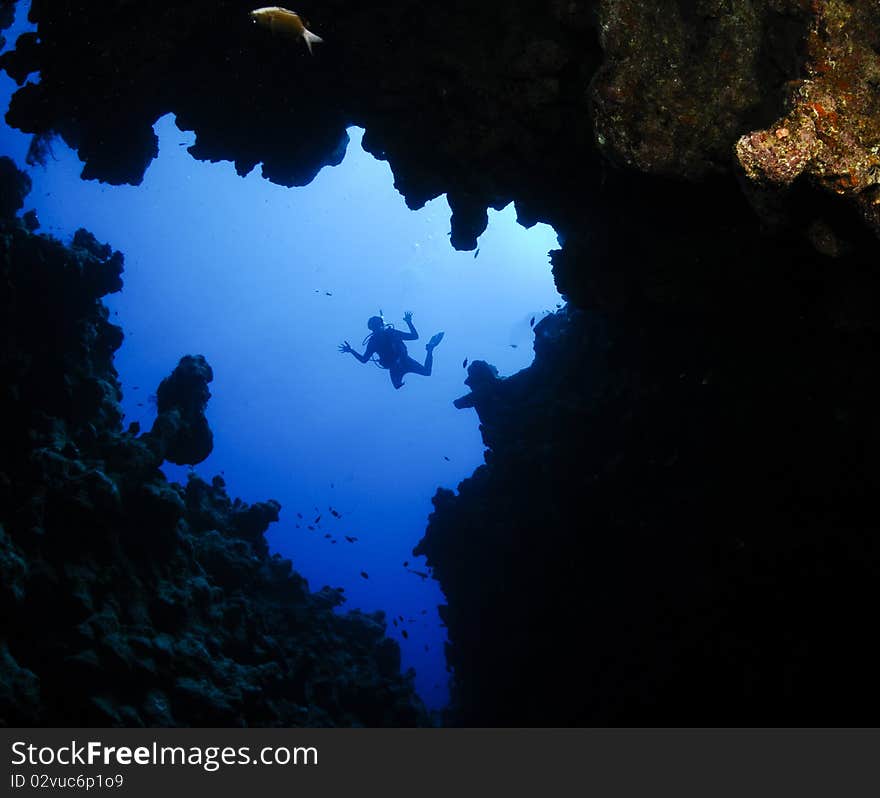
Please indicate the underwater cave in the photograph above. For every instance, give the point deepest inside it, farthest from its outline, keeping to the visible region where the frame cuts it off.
(638, 487)
(208, 270)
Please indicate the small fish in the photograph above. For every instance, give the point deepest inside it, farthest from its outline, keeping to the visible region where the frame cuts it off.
(365, 575)
(281, 20)
(140, 404)
(513, 346)
(406, 564)
(135, 388)
(298, 526)
(426, 646)
(420, 573)
(445, 458)
(317, 520)
(328, 293)
(328, 535)
(476, 253)
(405, 634)
(350, 539)
(339, 589)
(424, 612)
(400, 617)
(299, 515)
(334, 541)
(311, 527)
(394, 621)
(532, 322)
(464, 363)
(334, 513)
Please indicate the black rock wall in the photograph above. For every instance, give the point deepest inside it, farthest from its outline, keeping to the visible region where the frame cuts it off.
(671, 527)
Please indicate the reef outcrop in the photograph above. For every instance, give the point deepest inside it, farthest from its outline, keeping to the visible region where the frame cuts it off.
(668, 526)
(126, 599)
(181, 433)
(831, 133)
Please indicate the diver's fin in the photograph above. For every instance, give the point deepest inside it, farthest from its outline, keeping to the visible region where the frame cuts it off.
(311, 38)
(435, 339)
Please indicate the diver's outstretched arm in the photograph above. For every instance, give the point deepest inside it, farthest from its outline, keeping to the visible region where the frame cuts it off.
(345, 348)
(412, 335)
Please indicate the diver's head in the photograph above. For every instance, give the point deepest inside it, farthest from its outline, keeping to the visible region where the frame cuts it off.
(376, 323)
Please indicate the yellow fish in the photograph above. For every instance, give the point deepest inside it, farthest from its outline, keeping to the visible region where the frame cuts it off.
(281, 20)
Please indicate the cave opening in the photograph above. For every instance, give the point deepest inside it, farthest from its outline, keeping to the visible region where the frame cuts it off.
(266, 282)
(676, 518)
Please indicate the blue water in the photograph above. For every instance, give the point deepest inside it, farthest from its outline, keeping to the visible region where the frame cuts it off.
(266, 281)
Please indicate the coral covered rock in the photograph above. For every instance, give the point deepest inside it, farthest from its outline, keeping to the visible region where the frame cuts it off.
(181, 431)
(680, 80)
(831, 133)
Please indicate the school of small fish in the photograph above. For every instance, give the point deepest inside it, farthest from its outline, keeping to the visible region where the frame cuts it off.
(397, 621)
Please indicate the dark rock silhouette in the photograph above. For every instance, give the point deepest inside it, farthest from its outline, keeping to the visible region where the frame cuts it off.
(127, 600)
(181, 431)
(668, 526)
(7, 17)
(15, 186)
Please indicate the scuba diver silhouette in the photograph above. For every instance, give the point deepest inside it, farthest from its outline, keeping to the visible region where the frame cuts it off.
(387, 344)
